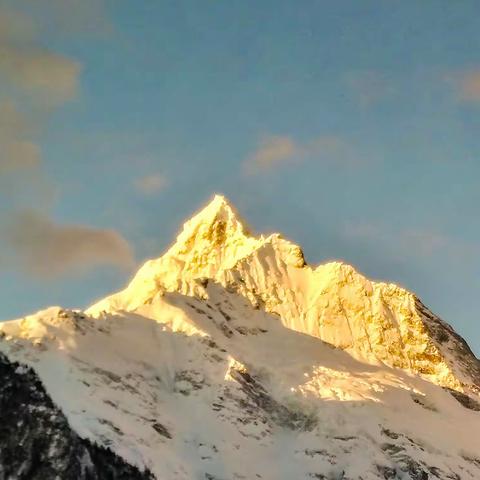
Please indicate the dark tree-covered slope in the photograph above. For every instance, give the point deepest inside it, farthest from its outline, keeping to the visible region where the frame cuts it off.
(36, 441)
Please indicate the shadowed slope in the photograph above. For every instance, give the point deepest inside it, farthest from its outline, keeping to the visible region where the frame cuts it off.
(36, 441)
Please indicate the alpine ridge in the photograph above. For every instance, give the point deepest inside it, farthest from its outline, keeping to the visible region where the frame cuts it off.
(375, 322)
(229, 357)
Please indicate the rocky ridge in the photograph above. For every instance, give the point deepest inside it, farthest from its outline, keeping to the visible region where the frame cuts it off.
(230, 347)
(38, 443)
(374, 321)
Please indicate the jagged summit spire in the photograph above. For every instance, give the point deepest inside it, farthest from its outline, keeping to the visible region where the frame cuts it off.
(375, 322)
(213, 240)
(215, 222)
(214, 236)
(219, 201)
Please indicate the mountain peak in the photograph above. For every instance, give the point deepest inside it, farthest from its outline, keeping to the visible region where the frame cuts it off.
(217, 206)
(213, 223)
(243, 333)
(374, 322)
(212, 238)
(219, 201)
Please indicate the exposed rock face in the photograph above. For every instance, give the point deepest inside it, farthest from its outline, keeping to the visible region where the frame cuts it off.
(229, 358)
(36, 441)
(375, 322)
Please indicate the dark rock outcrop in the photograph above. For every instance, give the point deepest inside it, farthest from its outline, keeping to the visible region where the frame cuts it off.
(36, 441)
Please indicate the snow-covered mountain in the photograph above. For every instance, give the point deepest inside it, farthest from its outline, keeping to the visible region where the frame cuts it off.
(37, 442)
(231, 358)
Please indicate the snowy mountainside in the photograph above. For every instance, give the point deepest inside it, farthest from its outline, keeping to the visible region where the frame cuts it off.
(36, 441)
(230, 358)
(374, 322)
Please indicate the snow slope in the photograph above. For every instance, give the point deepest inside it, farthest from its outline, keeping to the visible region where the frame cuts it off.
(230, 358)
(374, 322)
(37, 442)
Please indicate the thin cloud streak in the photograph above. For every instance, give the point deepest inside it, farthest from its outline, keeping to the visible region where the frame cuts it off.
(151, 184)
(469, 86)
(17, 151)
(277, 151)
(272, 151)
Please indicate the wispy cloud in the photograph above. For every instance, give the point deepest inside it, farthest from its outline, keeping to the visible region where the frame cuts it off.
(17, 151)
(48, 249)
(33, 81)
(52, 78)
(272, 151)
(151, 184)
(469, 86)
(49, 77)
(277, 151)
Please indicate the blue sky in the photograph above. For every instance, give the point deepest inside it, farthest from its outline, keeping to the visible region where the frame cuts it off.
(351, 127)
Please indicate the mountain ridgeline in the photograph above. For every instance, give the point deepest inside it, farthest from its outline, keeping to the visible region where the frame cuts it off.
(230, 347)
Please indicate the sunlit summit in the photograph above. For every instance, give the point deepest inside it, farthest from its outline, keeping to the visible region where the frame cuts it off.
(229, 346)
